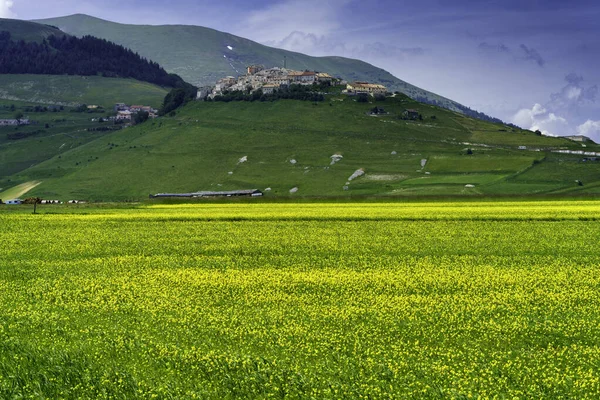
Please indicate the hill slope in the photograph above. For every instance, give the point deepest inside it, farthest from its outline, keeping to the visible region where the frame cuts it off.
(290, 144)
(47, 100)
(60, 54)
(74, 90)
(28, 31)
(201, 55)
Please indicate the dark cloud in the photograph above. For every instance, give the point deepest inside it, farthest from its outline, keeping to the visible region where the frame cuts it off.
(493, 48)
(379, 49)
(522, 53)
(533, 55)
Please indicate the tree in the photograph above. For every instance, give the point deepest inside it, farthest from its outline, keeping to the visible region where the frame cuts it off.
(538, 132)
(141, 117)
(362, 98)
(18, 116)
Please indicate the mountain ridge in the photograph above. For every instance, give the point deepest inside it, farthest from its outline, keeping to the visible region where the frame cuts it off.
(201, 55)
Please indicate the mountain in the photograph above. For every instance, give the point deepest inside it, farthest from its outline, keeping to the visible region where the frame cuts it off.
(201, 55)
(28, 31)
(314, 147)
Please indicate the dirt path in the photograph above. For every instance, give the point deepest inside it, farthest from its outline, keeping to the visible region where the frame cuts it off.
(19, 190)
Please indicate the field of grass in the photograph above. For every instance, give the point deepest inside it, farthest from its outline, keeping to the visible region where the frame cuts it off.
(52, 134)
(244, 301)
(55, 128)
(74, 90)
(289, 144)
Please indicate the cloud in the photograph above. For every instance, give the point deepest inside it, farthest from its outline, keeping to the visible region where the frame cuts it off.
(275, 22)
(533, 55)
(379, 49)
(573, 95)
(540, 118)
(561, 114)
(309, 43)
(591, 129)
(6, 9)
(523, 53)
(493, 48)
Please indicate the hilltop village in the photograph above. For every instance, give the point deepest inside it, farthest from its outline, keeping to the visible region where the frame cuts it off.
(271, 80)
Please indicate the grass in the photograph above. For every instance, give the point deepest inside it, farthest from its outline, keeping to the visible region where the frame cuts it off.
(200, 149)
(223, 301)
(28, 31)
(19, 190)
(75, 90)
(63, 130)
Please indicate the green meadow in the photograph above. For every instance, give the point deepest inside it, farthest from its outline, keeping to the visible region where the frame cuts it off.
(289, 144)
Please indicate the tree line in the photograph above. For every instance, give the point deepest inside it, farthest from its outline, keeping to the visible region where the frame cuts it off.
(292, 92)
(86, 56)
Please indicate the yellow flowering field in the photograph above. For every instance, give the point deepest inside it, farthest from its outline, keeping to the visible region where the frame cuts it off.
(456, 300)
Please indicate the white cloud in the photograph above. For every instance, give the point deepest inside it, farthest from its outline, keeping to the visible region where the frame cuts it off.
(6, 9)
(590, 128)
(573, 95)
(309, 43)
(313, 17)
(539, 118)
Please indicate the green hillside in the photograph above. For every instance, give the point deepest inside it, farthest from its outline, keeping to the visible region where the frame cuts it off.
(289, 144)
(74, 90)
(28, 31)
(48, 102)
(201, 55)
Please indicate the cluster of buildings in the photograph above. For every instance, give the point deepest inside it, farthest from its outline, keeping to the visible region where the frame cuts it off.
(127, 113)
(268, 80)
(21, 201)
(14, 122)
(272, 79)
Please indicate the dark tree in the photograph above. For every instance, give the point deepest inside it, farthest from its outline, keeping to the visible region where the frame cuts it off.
(141, 117)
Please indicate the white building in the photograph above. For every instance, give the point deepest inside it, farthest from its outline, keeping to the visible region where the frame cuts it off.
(365, 87)
(14, 201)
(124, 116)
(269, 88)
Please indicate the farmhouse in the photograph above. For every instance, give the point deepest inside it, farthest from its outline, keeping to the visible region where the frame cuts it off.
(365, 88)
(231, 193)
(579, 138)
(412, 114)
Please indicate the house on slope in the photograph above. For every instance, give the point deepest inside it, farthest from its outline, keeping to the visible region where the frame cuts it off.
(372, 89)
(580, 139)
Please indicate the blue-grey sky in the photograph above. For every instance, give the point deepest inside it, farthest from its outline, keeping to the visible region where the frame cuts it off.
(531, 62)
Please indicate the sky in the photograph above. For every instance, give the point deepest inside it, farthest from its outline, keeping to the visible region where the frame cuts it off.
(534, 63)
